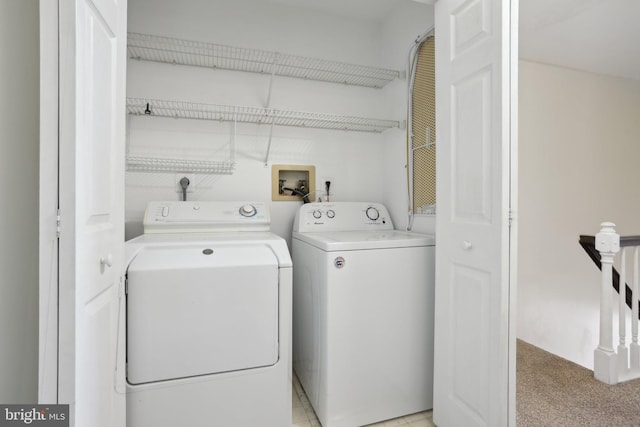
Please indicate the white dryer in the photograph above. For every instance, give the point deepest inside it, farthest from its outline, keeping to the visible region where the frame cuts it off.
(208, 318)
(363, 301)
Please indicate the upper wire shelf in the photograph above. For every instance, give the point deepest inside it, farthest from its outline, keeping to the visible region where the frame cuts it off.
(187, 52)
(270, 116)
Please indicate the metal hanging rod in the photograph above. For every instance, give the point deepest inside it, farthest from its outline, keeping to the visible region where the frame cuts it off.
(188, 52)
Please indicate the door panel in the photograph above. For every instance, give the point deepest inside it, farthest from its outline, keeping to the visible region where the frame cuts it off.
(96, 403)
(48, 256)
(470, 25)
(471, 147)
(474, 124)
(97, 150)
(92, 135)
(99, 122)
(470, 289)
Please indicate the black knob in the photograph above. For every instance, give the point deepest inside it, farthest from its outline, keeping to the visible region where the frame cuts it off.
(372, 213)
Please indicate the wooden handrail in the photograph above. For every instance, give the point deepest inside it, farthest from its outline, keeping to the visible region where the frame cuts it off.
(626, 241)
(588, 243)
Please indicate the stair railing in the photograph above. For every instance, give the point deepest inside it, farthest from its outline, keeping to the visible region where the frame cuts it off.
(615, 365)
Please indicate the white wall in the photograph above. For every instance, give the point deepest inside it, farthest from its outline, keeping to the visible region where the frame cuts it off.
(19, 194)
(579, 143)
(355, 163)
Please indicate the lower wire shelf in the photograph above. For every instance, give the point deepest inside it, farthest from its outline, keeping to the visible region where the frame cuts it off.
(155, 164)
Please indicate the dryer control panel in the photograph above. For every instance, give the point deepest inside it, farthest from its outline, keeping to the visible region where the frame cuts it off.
(205, 217)
(342, 216)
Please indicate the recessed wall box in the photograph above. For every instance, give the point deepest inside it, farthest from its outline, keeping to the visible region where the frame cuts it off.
(289, 182)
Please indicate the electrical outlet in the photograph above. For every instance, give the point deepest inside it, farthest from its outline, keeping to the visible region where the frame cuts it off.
(322, 194)
(178, 177)
(326, 178)
(323, 183)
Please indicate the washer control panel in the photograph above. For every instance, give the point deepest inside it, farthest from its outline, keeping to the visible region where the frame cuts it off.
(205, 216)
(342, 216)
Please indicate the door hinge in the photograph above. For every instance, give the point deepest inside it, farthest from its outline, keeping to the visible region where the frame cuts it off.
(58, 223)
(510, 217)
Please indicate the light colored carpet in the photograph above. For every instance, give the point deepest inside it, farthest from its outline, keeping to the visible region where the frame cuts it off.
(552, 391)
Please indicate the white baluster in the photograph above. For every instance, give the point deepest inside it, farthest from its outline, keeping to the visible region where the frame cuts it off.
(604, 363)
(623, 350)
(635, 348)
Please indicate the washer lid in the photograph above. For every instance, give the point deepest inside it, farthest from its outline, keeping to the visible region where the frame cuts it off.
(357, 240)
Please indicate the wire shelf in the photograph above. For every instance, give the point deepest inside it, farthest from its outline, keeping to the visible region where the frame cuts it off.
(155, 164)
(195, 111)
(187, 52)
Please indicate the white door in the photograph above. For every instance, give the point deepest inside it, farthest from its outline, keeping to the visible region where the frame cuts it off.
(475, 94)
(92, 137)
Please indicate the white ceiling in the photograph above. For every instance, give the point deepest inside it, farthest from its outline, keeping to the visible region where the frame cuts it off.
(371, 10)
(600, 36)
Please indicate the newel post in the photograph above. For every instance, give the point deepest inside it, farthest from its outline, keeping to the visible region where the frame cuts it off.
(604, 360)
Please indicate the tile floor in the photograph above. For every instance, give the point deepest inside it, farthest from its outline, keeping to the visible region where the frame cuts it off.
(304, 416)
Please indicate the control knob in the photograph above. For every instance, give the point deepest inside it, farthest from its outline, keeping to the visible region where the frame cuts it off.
(317, 214)
(331, 213)
(248, 210)
(372, 213)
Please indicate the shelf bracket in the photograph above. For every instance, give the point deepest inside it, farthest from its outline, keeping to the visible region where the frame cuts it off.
(232, 140)
(274, 66)
(266, 158)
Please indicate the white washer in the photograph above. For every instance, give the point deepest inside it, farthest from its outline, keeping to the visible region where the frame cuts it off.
(362, 314)
(208, 318)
